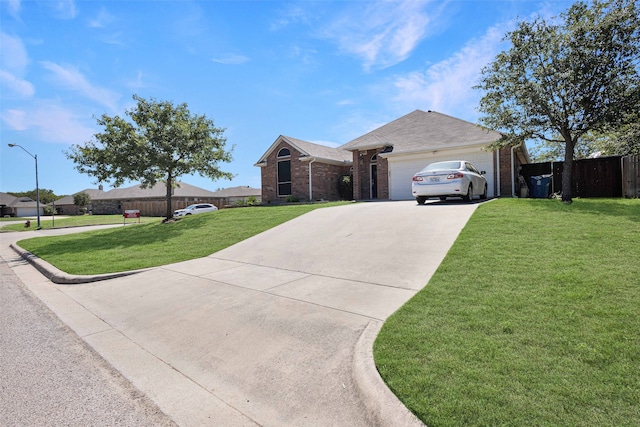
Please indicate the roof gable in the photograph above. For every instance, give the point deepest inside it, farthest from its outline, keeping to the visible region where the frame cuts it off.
(7, 199)
(422, 131)
(309, 149)
(17, 202)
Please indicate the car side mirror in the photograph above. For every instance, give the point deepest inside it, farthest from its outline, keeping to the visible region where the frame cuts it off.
(483, 172)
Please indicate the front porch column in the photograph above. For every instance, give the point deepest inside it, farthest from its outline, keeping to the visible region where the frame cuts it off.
(356, 175)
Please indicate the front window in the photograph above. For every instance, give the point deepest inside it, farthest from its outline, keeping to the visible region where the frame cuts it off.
(284, 172)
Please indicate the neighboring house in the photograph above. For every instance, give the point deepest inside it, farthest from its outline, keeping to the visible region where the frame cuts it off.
(152, 201)
(65, 206)
(382, 162)
(237, 195)
(18, 206)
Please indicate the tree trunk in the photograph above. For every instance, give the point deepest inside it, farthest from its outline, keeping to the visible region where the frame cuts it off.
(567, 170)
(169, 212)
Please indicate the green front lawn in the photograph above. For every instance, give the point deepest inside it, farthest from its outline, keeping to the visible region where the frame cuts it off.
(154, 243)
(71, 221)
(533, 319)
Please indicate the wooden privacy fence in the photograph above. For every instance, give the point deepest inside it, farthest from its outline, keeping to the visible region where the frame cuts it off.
(631, 176)
(601, 177)
(159, 207)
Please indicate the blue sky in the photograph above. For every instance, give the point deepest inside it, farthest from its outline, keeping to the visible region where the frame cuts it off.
(321, 71)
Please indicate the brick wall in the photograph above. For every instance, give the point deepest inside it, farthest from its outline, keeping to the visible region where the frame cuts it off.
(364, 176)
(324, 179)
(106, 207)
(505, 171)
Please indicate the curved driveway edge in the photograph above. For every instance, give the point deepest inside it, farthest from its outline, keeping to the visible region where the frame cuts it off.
(58, 276)
(383, 407)
(276, 330)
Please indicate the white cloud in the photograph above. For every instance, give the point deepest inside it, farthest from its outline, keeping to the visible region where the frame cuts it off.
(231, 59)
(65, 9)
(14, 60)
(14, 8)
(15, 119)
(13, 54)
(291, 14)
(72, 79)
(447, 86)
(101, 20)
(381, 33)
(16, 85)
(52, 122)
(137, 82)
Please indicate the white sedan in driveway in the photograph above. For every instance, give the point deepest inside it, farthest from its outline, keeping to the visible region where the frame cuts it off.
(195, 209)
(456, 178)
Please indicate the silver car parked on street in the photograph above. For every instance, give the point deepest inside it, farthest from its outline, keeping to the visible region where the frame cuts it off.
(195, 209)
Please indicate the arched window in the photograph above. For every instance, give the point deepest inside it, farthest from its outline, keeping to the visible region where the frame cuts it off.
(284, 172)
(284, 153)
(374, 158)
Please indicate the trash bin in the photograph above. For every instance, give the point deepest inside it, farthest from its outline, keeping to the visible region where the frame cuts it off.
(540, 186)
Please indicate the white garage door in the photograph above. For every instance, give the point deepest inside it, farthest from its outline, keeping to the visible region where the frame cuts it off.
(402, 169)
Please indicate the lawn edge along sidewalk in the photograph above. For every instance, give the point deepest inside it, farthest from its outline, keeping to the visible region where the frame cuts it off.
(59, 277)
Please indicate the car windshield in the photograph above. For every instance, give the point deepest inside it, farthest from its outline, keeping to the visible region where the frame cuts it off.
(442, 165)
(191, 207)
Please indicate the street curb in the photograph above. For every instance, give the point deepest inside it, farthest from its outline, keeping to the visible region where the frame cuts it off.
(59, 277)
(382, 406)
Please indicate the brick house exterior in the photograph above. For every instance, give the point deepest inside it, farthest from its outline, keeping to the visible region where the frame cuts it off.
(382, 162)
(291, 165)
(510, 161)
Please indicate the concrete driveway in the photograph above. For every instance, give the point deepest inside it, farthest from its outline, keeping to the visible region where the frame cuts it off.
(274, 331)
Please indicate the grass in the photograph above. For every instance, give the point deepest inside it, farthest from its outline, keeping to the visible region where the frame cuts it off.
(47, 222)
(531, 319)
(156, 243)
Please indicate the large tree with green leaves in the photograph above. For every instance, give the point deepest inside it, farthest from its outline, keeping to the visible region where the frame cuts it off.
(565, 77)
(46, 196)
(81, 199)
(159, 143)
(624, 141)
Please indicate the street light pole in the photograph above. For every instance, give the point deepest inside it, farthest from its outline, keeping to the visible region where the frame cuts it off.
(37, 187)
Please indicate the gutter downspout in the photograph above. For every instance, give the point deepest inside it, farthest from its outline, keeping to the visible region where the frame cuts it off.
(497, 191)
(513, 175)
(311, 180)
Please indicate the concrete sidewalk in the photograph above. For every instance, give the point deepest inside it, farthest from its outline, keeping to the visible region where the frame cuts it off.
(276, 330)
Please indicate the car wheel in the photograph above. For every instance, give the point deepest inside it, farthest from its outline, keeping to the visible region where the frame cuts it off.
(469, 196)
(443, 198)
(483, 196)
(421, 200)
(187, 214)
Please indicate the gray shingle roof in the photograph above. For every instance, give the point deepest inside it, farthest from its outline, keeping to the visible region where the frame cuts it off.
(241, 191)
(17, 202)
(158, 190)
(311, 150)
(423, 131)
(7, 199)
(319, 151)
(93, 193)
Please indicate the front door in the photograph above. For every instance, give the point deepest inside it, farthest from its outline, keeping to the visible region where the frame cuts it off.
(374, 182)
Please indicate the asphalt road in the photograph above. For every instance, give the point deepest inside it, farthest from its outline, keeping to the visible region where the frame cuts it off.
(50, 377)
